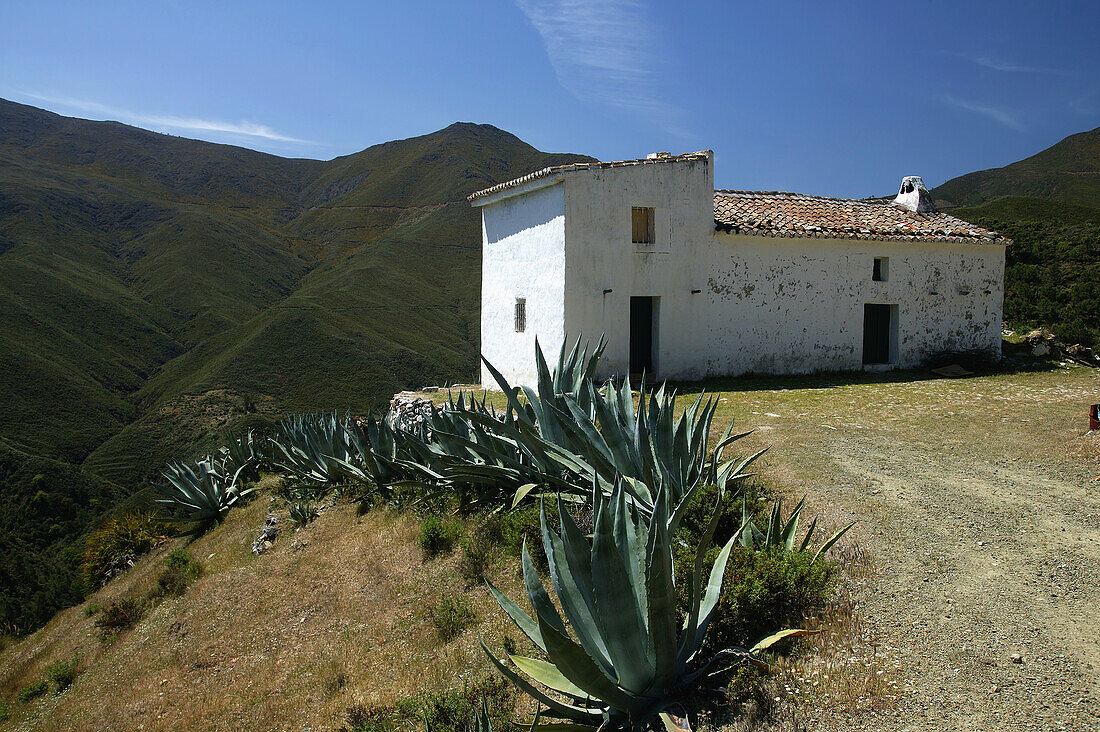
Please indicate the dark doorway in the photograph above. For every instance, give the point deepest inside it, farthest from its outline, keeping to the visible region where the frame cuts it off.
(880, 327)
(641, 335)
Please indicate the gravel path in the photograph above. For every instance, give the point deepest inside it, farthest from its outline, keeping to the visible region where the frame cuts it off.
(985, 535)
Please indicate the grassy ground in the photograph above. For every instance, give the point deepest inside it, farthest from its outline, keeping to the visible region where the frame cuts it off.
(334, 616)
(978, 537)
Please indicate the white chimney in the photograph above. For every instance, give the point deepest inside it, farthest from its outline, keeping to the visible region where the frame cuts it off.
(914, 196)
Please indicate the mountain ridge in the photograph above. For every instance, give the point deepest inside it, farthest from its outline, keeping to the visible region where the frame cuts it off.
(156, 290)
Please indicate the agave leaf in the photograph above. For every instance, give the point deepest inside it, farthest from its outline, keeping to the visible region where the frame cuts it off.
(809, 535)
(577, 666)
(622, 626)
(522, 492)
(559, 708)
(774, 638)
(713, 590)
(545, 612)
(571, 574)
(832, 540)
(662, 601)
(523, 621)
(787, 536)
(548, 675)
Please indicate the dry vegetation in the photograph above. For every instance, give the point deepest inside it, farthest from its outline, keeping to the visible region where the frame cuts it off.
(339, 614)
(336, 615)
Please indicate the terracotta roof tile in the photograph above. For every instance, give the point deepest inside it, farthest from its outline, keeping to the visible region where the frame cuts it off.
(553, 169)
(795, 214)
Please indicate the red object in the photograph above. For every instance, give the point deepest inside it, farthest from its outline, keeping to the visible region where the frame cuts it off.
(1094, 417)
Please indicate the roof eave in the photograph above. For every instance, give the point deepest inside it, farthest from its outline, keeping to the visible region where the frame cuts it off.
(535, 181)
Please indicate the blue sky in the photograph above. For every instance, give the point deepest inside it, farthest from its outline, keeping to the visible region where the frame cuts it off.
(836, 98)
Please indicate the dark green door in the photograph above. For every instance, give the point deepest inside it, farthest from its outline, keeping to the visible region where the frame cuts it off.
(641, 335)
(876, 334)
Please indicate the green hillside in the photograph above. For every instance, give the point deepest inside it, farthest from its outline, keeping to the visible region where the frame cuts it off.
(154, 290)
(1049, 204)
(1068, 172)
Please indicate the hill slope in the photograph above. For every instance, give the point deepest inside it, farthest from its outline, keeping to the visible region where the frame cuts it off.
(1049, 204)
(155, 289)
(1068, 172)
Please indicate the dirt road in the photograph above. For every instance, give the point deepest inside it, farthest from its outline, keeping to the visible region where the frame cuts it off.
(979, 502)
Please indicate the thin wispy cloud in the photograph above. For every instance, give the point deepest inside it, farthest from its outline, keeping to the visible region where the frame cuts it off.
(602, 51)
(166, 123)
(1088, 103)
(1006, 117)
(996, 64)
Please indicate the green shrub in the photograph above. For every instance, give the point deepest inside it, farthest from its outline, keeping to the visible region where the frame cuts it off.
(32, 690)
(363, 718)
(91, 609)
(119, 615)
(133, 532)
(302, 512)
(478, 552)
(5, 711)
(451, 616)
(438, 535)
(767, 590)
(62, 673)
(452, 710)
(180, 570)
(456, 710)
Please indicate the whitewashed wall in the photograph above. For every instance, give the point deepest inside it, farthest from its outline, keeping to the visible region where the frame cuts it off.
(600, 256)
(523, 256)
(765, 304)
(796, 305)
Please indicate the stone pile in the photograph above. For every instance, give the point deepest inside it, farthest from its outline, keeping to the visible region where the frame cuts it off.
(409, 411)
(1043, 343)
(267, 536)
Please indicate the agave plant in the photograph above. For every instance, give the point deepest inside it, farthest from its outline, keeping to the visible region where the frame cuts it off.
(201, 494)
(586, 435)
(631, 660)
(318, 448)
(242, 454)
(782, 534)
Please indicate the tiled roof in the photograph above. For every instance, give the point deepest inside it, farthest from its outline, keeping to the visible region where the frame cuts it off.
(795, 214)
(553, 169)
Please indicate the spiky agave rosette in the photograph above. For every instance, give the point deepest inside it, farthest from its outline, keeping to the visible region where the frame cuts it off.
(628, 660)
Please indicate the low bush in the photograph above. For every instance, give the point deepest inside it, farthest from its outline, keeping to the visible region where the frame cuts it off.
(62, 673)
(133, 532)
(302, 512)
(33, 690)
(765, 591)
(119, 615)
(5, 711)
(180, 570)
(453, 710)
(451, 616)
(438, 535)
(456, 710)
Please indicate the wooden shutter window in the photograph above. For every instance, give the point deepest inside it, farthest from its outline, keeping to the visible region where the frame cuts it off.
(521, 314)
(641, 225)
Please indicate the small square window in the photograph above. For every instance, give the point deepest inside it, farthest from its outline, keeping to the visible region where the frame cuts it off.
(881, 271)
(521, 314)
(642, 225)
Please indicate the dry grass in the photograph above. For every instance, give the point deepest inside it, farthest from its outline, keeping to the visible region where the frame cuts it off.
(333, 616)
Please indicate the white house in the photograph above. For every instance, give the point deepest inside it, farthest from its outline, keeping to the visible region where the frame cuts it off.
(687, 282)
